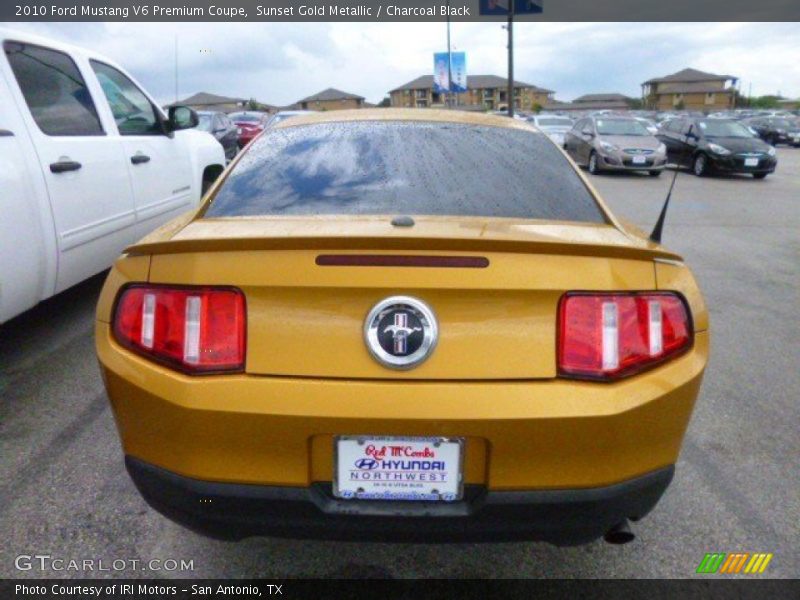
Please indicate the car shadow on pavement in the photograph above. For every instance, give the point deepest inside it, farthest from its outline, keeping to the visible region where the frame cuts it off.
(44, 326)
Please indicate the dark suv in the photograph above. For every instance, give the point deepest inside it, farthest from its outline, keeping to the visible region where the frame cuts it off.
(717, 145)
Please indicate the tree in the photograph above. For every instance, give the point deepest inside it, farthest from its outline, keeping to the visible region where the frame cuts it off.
(768, 101)
(252, 104)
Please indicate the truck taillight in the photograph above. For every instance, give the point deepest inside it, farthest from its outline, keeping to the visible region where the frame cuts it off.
(195, 330)
(613, 335)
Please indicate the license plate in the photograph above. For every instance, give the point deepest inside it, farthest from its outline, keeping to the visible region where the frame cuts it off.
(640, 160)
(750, 162)
(398, 468)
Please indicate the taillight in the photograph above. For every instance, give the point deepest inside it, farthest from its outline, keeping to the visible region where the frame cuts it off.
(196, 330)
(612, 335)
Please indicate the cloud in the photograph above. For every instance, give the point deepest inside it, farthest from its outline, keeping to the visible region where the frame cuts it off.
(279, 63)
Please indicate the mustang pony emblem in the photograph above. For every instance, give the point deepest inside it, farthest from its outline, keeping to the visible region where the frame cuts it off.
(400, 332)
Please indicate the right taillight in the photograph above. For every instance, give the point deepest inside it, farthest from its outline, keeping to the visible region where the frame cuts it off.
(193, 329)
(612, 335)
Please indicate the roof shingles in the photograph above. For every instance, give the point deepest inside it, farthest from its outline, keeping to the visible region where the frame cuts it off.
(690, 76)
(473, 82)
(329, 95)
(206, 99)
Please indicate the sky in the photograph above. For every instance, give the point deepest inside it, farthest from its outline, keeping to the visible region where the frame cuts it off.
(280, 63)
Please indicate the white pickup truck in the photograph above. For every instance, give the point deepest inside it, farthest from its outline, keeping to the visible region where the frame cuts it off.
(89, 164)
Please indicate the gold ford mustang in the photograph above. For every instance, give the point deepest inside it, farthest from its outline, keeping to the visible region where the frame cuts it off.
(402, 325)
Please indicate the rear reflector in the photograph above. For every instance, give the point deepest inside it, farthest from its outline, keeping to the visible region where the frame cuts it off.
(397, 260)
(195, 330)
(612, 335)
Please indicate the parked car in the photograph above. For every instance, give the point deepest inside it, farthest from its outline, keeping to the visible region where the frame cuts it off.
(222, 128)
(90, 164)
(615, 144)
(250, 124)
(286, 114)
(717, 145)
(775, 130)
(555, 127)
(358, 339)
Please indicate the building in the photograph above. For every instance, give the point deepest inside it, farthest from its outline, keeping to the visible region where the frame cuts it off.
(206, 101)
(331, 99)
(590, 102)
(484, 92)
(690, 89)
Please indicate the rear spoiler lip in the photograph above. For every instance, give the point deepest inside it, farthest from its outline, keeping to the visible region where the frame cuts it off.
(392, 244)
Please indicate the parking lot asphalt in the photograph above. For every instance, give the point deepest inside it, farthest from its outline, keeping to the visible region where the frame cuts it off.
(64, 491)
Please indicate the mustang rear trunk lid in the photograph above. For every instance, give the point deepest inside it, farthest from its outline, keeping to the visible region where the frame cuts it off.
(495, 322)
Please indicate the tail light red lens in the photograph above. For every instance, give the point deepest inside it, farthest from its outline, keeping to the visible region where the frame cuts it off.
(196, 330)
(613, 335)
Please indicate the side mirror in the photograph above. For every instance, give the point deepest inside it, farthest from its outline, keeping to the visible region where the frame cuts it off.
(182, 117)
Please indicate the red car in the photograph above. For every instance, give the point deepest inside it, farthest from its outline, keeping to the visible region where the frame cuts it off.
(250, 124)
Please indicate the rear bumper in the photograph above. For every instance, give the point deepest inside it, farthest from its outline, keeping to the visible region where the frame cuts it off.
(234, 511)
(519, 435)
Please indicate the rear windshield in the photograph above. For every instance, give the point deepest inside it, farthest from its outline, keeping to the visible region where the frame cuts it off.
(245, 118)
(414, 168)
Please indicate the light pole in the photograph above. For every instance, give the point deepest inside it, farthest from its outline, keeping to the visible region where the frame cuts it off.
(176, 68)
(449, 98)
(510, 92)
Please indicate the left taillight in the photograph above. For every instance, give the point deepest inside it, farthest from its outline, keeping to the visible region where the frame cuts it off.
(195, 330)
(612, 335)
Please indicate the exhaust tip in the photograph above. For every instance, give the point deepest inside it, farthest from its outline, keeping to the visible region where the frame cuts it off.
(620, 534)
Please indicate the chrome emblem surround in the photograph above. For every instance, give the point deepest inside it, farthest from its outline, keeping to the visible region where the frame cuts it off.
(400, 307)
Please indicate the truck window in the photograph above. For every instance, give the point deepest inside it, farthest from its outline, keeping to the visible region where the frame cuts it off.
(54, 90)
(133, 112)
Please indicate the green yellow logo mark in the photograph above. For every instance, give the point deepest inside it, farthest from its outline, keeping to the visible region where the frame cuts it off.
(735, 562)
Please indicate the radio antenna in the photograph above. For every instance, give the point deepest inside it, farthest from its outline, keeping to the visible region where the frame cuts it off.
(658, 229)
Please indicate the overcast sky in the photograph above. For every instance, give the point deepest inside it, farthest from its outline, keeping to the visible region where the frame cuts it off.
(281, 63)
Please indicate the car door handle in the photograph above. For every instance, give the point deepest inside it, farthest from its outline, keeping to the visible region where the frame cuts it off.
(138, 159)
(6, 133)
(63, 166)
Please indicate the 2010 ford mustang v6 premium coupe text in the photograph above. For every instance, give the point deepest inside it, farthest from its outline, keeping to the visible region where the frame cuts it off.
(402, 325)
